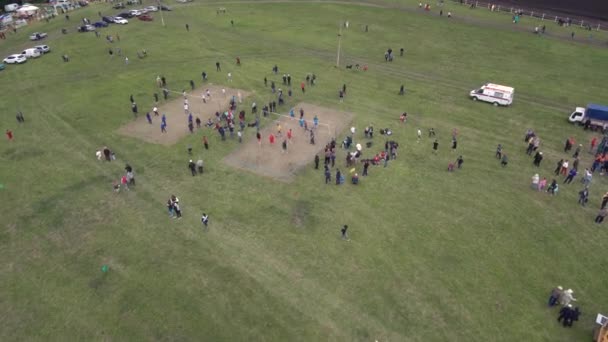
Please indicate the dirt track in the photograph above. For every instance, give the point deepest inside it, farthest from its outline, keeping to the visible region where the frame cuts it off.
(268, 160)
(177, 120)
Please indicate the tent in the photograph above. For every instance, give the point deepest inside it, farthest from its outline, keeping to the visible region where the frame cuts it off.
(27, 10)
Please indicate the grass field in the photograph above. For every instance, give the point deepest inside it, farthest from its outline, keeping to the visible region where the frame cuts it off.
(433, 256)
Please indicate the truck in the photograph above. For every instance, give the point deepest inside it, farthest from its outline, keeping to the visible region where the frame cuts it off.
(593, 115)
(495, 94)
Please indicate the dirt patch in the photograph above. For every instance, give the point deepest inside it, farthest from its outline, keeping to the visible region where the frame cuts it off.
(268, 159)
(177, 119)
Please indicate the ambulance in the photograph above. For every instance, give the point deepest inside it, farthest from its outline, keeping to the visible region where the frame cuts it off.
(494, 94)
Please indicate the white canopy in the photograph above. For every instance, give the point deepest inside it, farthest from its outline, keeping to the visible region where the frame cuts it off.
(27, 10)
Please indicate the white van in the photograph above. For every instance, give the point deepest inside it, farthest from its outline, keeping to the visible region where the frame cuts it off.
(31, 53)
(10, 8)
(493, 93)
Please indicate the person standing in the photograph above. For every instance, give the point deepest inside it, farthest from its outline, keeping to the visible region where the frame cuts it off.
(177, 209)
(205, 142)
(564, 169)
(170, 208)
(459, 161)
(192, 84)
(303, 87)
(316, 161)
(205, 221)
(134, 109)
(601, 215)
(9, 135)
(583, 196)
(593, 144)
(327, 175)
(365, 167)
(344, 233)
(199, 166)
(554, 296)
(558, 167)
(217, 66)
(435, 146)
(20, 118)
(338, 176)
(499, 151)
(149, 118)
(538, 157)
(187, 27)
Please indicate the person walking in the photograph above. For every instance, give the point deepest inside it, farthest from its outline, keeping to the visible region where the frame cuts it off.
(149, 118)
(327, 175)
(192, 167)
(205, 142)
(571, 174)
(9, 135)
(459, 162)
(504, 160)
(217, 66)
(564, 169)
(435, 146)
(303, 87)
(199, 166)
(601, 215)
(344, 233)
(187, 27)
(316, 161)
(20, 118)
(604, 201)
(192, 84)
(205, 221)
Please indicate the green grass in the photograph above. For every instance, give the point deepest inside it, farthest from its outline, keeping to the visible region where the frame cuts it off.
(466, 256)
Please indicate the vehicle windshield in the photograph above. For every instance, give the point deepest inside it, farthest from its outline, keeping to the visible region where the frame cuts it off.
(479, 91)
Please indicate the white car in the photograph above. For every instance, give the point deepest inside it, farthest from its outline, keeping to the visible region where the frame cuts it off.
(120, 20)
(151, 9)
(31, 53)
(135, 13)
(43, 48)
(15, 59)
(37, 36)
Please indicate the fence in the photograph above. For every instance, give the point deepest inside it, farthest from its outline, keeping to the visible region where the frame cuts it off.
(566, 21)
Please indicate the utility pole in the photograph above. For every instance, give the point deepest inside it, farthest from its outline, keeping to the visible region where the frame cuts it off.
(161, 13)
(339, 45)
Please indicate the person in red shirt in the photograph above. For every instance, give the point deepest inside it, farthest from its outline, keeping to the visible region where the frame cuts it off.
(259, 136)
(303, 86)
(124, 182)
(9, 134)
(593, 143)
(271, 138)
(289, 134)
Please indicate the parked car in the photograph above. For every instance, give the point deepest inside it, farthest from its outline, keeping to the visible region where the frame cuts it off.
(43, 48)
(31, 53)
(15, 59)
(151, 9)
(123, 15)
(165, 8)
(133, 2)
(108, 20)
(86, 28)
(83, 3)
(2, 66)
(183, 1)
(100, 24)
(135, 13)
(120, 20)
(119, 5)
(145, 17)
(37, 36)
